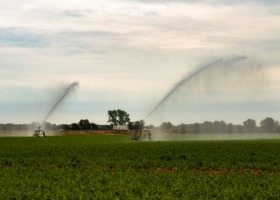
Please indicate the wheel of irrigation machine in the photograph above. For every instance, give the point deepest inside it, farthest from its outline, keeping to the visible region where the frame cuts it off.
(136, 135)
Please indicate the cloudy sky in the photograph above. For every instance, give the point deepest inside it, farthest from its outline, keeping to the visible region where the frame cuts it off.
(127, 54)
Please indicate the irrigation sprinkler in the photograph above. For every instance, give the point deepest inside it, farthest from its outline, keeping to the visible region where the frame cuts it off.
(136, 134)
(39, 132)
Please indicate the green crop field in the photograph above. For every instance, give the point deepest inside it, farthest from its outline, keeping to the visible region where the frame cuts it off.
(113, 167)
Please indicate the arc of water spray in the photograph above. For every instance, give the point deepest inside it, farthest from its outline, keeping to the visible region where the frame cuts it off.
(191, 76)
(69, 89)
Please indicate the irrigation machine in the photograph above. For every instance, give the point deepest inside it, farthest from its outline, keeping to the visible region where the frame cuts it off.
(138, 134)
(39, 132)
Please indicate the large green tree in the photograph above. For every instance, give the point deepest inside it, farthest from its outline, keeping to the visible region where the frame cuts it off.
(118, 117)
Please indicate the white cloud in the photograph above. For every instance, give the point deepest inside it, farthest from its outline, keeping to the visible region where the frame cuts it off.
(130, 52)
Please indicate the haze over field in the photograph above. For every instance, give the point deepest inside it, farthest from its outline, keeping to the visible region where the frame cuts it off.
(129, 54)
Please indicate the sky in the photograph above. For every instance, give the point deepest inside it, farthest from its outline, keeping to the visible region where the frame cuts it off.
(128, 54)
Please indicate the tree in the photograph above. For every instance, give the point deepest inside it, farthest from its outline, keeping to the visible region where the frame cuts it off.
(250, 126)
(196, 128)
(277, 127)
(84, 124)
(219, 127)
(118, 117)
(166, 126)
(64, 126)
(181, 128)
(207, 127)
(267, 125)
(113, 117)
(230, 128)
(93, 126)
(75, 126)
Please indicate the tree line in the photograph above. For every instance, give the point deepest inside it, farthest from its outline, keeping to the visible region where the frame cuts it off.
(267, 125)
(120, 117)
(115, 117)
(83, 124)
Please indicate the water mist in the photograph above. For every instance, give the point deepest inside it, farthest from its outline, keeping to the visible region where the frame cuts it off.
(193, 75)
(226, 89)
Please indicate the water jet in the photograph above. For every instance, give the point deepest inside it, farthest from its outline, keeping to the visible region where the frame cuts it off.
(189, 77)
(61, 97)
(40, 132)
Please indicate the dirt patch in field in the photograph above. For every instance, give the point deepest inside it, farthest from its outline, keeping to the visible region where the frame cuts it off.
(166, 170)
(216, 171)
(95, 132)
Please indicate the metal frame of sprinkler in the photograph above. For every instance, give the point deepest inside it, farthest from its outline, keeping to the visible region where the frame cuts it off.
(39, 132)
(136, 134)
